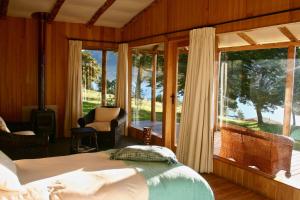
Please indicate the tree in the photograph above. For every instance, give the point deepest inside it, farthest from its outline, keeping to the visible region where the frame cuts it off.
(111, 86)
(143, 62)
(256, 77)
(296, 98)
(182, 67)
(90, 69)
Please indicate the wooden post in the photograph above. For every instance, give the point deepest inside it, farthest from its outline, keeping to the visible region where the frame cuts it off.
(103, 79)
(216, 84)
(289, 89)
(153, 89)
(170, 52)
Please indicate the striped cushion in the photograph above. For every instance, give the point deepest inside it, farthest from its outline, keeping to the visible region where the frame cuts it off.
(145, 153)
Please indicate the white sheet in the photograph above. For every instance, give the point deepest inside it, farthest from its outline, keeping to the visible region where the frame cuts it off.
(80, 176)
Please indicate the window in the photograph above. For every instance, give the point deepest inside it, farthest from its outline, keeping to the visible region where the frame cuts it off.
(295, 119)
(252, 89)
(147, 87)
(99, 69)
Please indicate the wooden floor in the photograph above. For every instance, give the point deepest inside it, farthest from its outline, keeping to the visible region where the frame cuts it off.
(225, 190)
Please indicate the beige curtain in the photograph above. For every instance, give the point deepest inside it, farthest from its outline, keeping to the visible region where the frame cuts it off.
(122, 80)
(73, 100)
(195, 147)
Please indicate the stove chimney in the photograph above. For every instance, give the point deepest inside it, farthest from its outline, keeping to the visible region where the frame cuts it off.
(42, 20)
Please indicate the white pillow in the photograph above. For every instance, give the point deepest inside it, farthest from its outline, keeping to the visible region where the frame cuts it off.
(3, 126)
(103, 114)
(9, 180)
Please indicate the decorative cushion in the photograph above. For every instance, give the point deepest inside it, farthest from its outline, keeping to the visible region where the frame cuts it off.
(145, 153)
(8, 174)
(99, 126)
(24, 133)
(3, 126)
(103, 114)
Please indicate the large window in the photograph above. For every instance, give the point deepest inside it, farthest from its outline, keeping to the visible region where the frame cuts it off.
(254, 93)
(252, 89)
(98, 78)
(295, 122)
(147, 87)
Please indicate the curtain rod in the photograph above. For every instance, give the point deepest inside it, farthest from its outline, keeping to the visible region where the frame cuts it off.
(91, 40)
(213, 25)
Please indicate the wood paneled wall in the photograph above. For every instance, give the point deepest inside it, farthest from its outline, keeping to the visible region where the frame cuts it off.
(270, 188)
(166, 16)
(18, 63)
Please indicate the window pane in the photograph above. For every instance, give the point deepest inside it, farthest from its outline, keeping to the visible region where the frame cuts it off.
(147, 87)
(295, 120)
(252, 89)
(159, 87)
(181, 74)
(111, 77)
(91, 79)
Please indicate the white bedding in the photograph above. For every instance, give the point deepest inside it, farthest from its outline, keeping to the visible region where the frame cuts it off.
(65, 178)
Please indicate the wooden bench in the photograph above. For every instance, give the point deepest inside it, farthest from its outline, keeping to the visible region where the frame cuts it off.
(257, 149)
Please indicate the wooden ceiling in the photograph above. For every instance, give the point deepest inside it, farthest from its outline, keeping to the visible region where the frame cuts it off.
(261, 36)
(109, 13)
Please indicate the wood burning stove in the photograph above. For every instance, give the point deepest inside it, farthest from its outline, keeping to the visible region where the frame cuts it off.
(43, 119)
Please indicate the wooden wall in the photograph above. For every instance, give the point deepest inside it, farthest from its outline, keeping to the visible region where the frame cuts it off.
(166, 16)
(270, 188)
(18, 63)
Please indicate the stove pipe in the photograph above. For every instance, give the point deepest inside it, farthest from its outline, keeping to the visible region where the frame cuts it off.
(42, 20)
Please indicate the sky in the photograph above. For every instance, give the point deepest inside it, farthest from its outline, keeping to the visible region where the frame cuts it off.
(111, 62)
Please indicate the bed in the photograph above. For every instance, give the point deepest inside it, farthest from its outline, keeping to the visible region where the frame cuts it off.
(96, 176)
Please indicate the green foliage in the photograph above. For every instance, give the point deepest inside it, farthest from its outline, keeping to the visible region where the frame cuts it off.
(90, 69)
(258, 77)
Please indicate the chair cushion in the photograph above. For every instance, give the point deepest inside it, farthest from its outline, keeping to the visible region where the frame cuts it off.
(103, 114)
(99, 126)
(3, 126)
(9, 180)
(24, 133)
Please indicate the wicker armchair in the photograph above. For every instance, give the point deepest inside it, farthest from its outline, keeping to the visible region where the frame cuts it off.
(23, 146)
(107, 139)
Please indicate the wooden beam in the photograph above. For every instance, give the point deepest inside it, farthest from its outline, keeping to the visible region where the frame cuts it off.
(286, 32)
(103, 79)
(3, 8)
(99, 12)
(153, 89)
(289, 90)
(58, 4)
(260, 46)
(246, 37)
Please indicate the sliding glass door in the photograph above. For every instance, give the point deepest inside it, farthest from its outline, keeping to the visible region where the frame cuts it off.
(178, 90)
(147, 87)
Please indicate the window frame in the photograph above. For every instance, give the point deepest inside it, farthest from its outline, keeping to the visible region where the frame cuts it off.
(103, 47)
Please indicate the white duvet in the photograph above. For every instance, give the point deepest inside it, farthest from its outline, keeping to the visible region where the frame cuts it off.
(64, 178)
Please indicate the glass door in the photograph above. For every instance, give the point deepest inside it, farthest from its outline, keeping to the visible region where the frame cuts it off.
(178, 90)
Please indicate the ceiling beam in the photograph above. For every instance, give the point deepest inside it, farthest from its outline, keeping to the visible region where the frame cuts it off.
(246, 38)
(99, 12)
(286, 32)
(58, 4)
(3, 8)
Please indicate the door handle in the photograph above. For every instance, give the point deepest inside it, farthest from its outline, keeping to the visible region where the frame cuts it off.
(173, 98)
